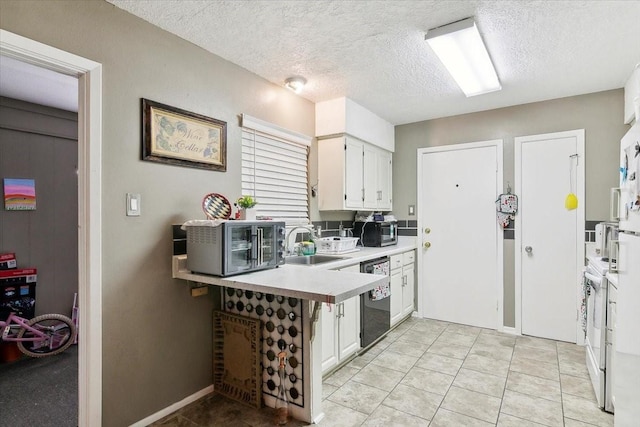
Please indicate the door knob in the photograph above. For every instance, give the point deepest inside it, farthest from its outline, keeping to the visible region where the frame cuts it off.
(528, 249)
(427, 245)
(427, 230)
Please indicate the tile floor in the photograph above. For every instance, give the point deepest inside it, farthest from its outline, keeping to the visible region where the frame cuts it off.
(432, 373)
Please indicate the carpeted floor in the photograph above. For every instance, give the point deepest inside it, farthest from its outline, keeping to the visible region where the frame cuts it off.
(40, 392)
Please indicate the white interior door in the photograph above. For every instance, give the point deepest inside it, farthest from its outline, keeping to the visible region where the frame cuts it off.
(549, 238)
(461, 271)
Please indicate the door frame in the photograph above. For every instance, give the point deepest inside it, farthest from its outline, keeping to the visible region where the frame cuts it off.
(421, 239)
(89, 74)
(579, 134)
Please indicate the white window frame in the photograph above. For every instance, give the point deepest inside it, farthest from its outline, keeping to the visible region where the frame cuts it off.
(278, 177)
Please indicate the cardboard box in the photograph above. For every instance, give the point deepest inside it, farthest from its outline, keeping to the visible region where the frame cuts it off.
(18, 276)
(8, 261)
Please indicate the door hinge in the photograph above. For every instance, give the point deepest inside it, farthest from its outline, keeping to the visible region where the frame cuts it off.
(345, 146)
(345, 197)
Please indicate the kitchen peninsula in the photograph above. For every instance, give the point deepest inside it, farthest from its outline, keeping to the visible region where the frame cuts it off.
(287, 300)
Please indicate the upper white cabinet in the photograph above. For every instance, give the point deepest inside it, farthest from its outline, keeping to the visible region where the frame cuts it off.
(632, 95)
(343, 116)
(355, 150)
(353, 175)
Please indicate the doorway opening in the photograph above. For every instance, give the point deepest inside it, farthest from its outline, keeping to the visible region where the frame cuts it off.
(89, 74)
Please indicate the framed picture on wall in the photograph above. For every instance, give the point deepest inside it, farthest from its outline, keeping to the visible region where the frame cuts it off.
(178, 137)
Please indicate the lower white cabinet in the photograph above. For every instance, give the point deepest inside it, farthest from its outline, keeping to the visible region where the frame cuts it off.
(402, 285)
(340, 329)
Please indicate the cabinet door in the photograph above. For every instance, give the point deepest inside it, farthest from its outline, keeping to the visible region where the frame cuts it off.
(349, 327)
(408, 290)
(353, 185)
(329, 343)
(384, 180)
(397, 299)
(370, 176)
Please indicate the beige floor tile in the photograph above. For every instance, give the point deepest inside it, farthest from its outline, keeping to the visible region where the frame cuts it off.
(340, 416)
(429, 326)
(415, 349)
(412, 401)
(568, 422)
(575, 368)
(534, 386)
(449, 350)
(361, 397)
(362, 360)
(379, 377)
(577, 386)
(438, 363)
(473, 404)
(463, 329)
(419, 336)
(496, 340)
(481, 382)
(585, 410)
(448, 337)
(341, 376)
(532, 408)
(505, 420)
(571, 356)
(427, 380)
(567, 347)
(488, 365)
(535, 368)
(540, 354)
(327, 389)
(492, 350)
(385, 416)
(394, 335)
(397, 361)
(445, 418)
(536, 342)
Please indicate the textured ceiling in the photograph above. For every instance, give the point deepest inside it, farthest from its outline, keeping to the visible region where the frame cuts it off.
(374, 51)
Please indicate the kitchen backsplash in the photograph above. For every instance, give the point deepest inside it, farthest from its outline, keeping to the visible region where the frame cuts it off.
(332, 228)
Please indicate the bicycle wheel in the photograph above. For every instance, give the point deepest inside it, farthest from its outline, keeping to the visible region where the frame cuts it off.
(60, 332)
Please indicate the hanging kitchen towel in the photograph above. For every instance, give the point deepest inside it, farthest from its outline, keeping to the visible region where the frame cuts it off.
(380, 292)
(586, 290)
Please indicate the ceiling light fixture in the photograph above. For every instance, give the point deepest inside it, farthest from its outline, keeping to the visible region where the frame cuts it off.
(295, 83)
(462, 51)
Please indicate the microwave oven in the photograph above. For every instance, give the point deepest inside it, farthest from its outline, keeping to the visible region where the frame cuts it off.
(376, 233)
(235, 247)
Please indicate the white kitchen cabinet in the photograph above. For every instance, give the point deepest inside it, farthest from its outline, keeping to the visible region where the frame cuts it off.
(340, 329)
(353, 175)
(402, 286)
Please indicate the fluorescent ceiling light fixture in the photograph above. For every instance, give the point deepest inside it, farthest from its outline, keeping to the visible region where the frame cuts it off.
(461, 50)
(295, 83)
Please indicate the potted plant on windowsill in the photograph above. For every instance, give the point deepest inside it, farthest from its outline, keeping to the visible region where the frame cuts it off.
(247, 207)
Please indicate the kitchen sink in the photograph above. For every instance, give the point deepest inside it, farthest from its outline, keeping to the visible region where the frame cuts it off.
(311, 259)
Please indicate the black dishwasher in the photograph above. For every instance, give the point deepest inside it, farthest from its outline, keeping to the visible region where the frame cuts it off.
(375, 306)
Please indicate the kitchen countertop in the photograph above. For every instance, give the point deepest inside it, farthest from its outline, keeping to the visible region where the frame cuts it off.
(324, 285)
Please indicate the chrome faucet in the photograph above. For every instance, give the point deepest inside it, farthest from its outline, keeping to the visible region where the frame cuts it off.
(287, 246)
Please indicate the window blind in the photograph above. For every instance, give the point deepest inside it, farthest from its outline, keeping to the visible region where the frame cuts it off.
(274, 171)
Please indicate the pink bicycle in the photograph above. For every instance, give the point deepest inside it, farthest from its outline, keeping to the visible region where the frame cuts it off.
(41, 336)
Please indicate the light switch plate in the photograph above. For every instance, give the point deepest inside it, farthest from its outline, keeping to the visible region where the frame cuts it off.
(412, 209)
(133, 204)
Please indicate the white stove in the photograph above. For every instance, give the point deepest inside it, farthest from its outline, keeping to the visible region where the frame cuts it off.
(596, 334)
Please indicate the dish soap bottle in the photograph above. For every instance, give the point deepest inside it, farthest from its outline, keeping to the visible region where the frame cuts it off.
(282, 405)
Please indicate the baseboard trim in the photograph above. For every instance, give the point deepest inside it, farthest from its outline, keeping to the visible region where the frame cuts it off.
(171, 409)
